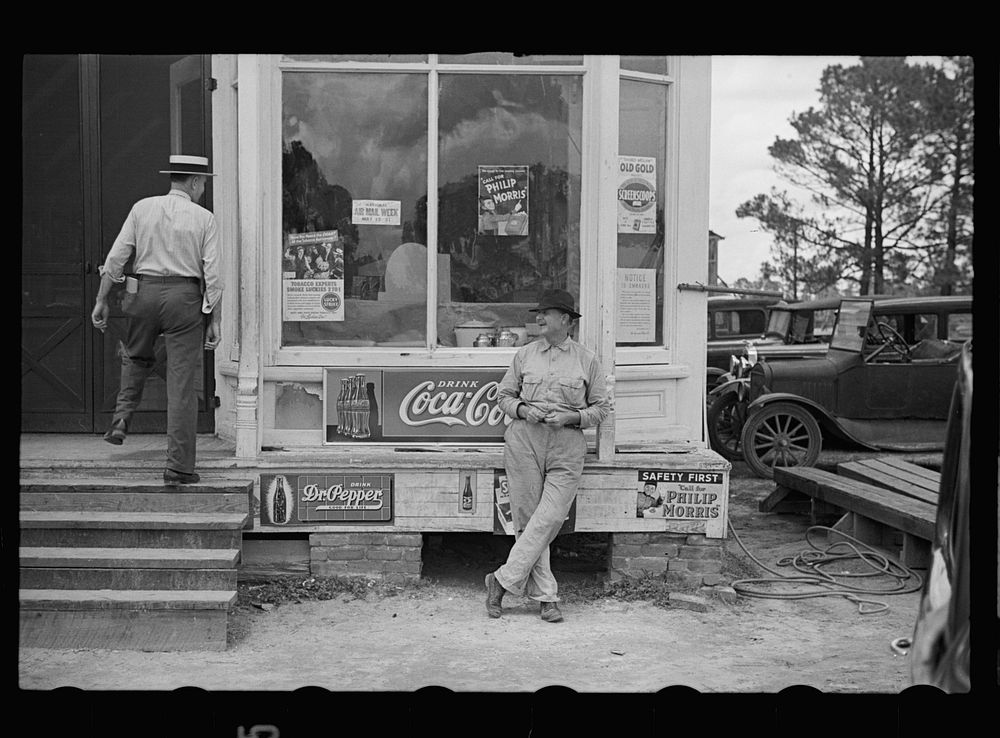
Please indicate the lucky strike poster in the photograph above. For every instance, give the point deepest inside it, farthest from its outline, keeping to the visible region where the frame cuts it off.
(503, 200)
(313, 277)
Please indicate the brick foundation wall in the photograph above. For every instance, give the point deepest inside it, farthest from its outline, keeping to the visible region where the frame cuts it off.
(393, 556)
(683, 559)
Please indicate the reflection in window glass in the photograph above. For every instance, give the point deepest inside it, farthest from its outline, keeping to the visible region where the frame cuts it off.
(959, 326)
(355, 57)
(642, 139)
(498, 57)
(509, 198)
(353, 273)
(649, 64)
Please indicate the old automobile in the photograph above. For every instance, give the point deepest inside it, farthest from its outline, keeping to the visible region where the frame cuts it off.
(884, 383)
(939, 651)
(794, 330)
(731, 321)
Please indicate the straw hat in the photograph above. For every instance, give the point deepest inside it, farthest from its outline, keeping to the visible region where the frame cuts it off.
(182, 164)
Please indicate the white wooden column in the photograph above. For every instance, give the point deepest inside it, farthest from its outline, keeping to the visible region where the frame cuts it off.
(251, 78)
(602, 221)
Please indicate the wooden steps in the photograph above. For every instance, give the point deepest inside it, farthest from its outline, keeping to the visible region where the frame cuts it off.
(129, 564)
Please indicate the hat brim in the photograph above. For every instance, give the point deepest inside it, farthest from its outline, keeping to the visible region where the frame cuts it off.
(184, 171)
(571, 313)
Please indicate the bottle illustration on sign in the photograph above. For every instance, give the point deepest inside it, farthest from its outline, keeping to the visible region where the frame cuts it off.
(342, 408)
(467, 493)
(357, 409)
(279, 504)
(363, 407)
(374, 426)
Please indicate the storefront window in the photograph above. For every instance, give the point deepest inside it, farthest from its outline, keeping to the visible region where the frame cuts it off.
(497, 57)
(642, 163)
(648, 64)
(509, 199)
(355, 57)
(354, 189)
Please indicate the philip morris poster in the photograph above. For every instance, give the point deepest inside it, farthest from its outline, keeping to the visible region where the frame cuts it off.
(313, 277)
(315, 499)
(636, 194)
(684, 495)
(503, 200)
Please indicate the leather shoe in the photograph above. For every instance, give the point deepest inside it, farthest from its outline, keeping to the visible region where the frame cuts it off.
(550, 612)
(175, 477)
(494, 596)
(116, 433)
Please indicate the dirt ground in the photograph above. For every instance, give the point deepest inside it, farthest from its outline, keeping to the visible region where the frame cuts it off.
(436, 633)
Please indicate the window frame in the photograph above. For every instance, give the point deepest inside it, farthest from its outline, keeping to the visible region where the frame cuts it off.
(598, 142)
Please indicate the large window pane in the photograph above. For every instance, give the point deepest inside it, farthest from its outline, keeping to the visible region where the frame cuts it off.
(353, 272)
(641, 141)
(499, 57)
(649, 64)
(355, 57)
(509, 197)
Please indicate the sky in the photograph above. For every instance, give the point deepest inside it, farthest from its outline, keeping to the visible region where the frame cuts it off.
(753, 98)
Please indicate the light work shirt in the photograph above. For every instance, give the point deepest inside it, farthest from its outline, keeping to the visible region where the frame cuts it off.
(566, 376)
(170, 236)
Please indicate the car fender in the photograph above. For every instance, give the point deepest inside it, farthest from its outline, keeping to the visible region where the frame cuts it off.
(727, 386)
(827, 422)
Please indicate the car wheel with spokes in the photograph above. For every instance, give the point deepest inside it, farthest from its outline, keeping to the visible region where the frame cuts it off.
(782, 434)
(724, 425)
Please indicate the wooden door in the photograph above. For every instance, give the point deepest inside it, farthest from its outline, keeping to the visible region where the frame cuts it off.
(97, 130)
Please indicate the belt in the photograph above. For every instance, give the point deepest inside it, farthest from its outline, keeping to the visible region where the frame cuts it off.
(167, 279)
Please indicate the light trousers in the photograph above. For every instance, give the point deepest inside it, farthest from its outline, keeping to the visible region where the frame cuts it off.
(174, 310)
(544, 465)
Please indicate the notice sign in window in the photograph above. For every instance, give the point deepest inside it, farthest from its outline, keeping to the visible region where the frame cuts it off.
(636, 307)
(375, 212)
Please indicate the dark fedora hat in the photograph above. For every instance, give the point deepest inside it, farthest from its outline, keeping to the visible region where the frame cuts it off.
(183, 164)
(557, 299)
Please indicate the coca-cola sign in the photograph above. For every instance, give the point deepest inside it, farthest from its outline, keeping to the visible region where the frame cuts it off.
(414, 405)
(315, 499)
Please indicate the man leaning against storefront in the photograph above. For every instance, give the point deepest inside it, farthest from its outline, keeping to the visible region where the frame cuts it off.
(554, 388)
(175, 242)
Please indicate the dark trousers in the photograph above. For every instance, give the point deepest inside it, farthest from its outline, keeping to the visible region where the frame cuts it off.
(173, 309)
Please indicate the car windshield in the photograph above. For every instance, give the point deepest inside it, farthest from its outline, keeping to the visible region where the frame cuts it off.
(823, 322)
(852, 323)
(777, 324)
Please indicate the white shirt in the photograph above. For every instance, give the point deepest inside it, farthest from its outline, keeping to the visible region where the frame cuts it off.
(170, 236)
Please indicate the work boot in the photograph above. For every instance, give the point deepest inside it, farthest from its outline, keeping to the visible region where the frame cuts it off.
(494, 596)
(550, 612)
(175, 477)
(117, 432)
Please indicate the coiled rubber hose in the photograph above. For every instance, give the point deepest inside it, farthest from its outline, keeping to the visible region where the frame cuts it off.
(819, 583)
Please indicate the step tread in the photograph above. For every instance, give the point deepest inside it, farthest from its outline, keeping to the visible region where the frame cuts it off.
(137, 558)
(114, 599)
(134, 501)
(111, 481)
(103, 519)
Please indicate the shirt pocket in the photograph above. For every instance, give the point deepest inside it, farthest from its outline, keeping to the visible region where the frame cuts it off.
(573, 392)
(531, 389)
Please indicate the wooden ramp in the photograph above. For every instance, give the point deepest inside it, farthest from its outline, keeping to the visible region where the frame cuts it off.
(881, 502)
